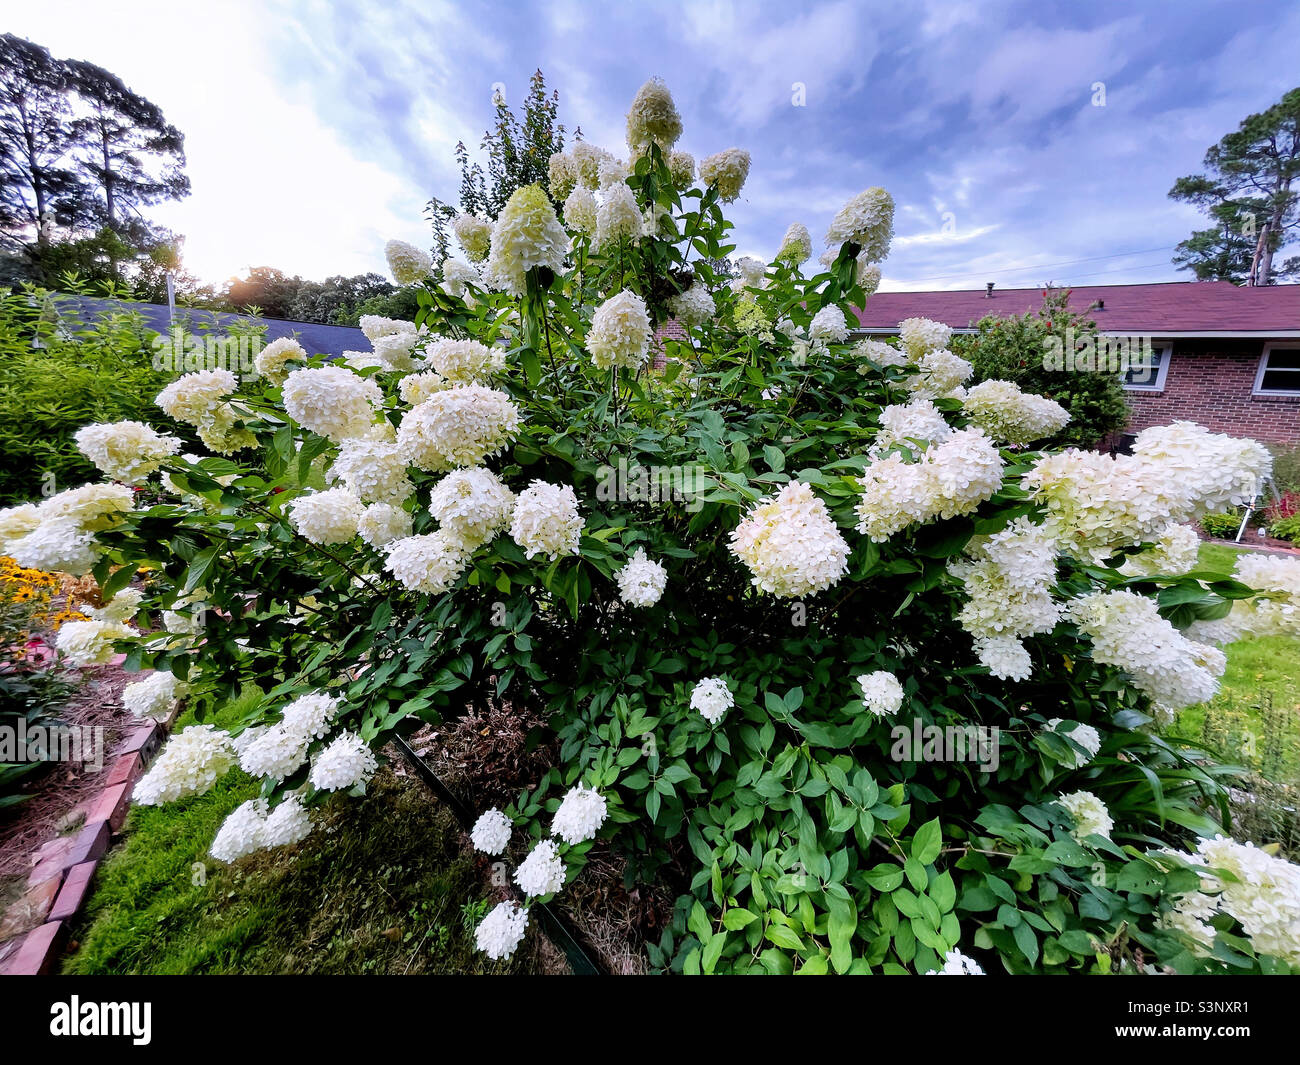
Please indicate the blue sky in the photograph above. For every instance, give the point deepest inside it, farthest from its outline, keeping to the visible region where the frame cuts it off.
(315, 130)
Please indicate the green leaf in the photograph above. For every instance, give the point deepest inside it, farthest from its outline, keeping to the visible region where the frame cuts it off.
(927, 842)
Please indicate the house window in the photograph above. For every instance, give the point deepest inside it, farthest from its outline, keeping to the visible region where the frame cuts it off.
(1148, 375)
(1279, 370)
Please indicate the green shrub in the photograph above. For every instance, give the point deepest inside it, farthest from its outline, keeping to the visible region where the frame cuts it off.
(726, 586)
(1286, 529)
(1012, 349)
(58, 373)
(1221, 526)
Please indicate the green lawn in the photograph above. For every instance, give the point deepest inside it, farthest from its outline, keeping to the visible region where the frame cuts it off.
(381, 886)
(1255, 718)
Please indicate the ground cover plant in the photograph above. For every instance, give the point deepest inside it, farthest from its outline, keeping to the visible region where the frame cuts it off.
(812, 619)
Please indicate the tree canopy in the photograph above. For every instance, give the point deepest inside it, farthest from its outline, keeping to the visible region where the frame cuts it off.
(1247, 190)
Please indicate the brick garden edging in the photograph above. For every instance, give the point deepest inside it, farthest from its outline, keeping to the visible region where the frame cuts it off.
(63, 868)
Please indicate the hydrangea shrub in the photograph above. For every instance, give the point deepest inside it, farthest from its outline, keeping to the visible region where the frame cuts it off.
(828, 646)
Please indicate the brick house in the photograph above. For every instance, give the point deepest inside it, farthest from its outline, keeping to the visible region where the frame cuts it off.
(1224, 356)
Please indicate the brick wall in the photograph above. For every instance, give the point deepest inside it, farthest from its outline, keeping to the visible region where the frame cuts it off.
(1210, 382)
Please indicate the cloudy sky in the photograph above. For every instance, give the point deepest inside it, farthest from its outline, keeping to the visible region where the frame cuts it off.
(1022, 142)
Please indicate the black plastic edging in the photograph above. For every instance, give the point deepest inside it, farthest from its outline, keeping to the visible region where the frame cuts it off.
(556, 927)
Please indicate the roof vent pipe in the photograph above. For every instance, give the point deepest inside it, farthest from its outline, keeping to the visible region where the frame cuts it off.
(1101, 305)
(988, 292)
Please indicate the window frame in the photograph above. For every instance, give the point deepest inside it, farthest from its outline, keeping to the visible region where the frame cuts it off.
(1259, 389)
(1166, 348)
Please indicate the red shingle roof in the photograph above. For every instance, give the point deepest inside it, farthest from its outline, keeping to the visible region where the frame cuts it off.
(1175, 307)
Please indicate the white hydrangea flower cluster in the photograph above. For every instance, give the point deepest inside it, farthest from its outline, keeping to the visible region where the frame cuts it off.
(374, 470)
(1085, 736)
(474, 235)
(458, 276)
(546, 521)
(790, 544)
(582, 811)
(1097, 503)
(940, 373)
(382, 523)
(250, 827)
(879, 353)
(59, 533)
(828, 326)
(1008, 579)
(155, 697)
(620, 332)
(271, 361)
(618, 217)
(750, 273)
(290, 822)
(472, 505)
(17, 522)
(580, 210)
(344, 764)
(681, 165)
(407, 263)
(614, 171)
(1091, 816)
(1261, 893)
(430, 563)
(332, 402)
(867, 276)
(726, 171)
(90, 643)
(122, 607)
(282, 748)
(1128, 632)
(866, 220)
(1006, 413)
(459, 426)
(652, 119)
(641, 582)
(951, 478)
(526, 235)
(125, 451)
(499, 934)
(375, 326)
(561, 178)
(796, 245)
(193, 398)
(1276, 612)
(918, 420)
(491, 832)
(585, 160)
(542, 872)
(465, 362)
(191, 762)
(694, 307)
(328, 517)
(882, 693)
(415, 388)
(955, 963)
(186, 615)
(920, 336)
(1173, 553)
(712, 698)
(395, 351)
(241, 832)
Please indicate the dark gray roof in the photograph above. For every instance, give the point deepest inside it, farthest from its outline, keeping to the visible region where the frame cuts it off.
(316, 339)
